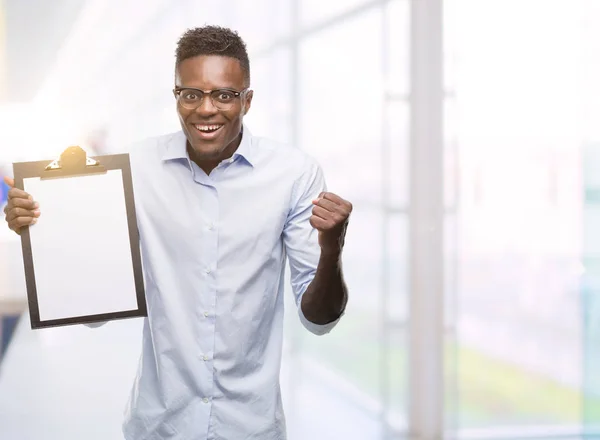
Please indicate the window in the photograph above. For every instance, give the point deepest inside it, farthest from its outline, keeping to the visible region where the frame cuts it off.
(341, 115)
(519, 232)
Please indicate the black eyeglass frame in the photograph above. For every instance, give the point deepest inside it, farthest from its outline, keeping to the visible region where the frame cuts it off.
(236, 93)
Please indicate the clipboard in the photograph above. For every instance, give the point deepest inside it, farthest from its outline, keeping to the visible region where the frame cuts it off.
(82, 258)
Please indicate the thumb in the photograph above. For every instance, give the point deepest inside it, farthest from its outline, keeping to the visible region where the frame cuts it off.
(10, 182)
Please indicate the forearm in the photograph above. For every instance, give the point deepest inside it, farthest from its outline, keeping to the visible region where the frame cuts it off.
(326, 296)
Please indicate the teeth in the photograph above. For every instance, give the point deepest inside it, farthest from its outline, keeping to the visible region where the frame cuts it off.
(208, 127)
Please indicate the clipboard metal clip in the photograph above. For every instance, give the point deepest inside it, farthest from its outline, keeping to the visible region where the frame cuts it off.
(72, 162)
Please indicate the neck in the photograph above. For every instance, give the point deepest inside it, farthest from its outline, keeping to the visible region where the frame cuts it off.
(207, 165)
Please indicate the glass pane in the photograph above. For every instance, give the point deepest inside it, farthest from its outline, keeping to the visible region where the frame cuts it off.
(451, 17)
(259, 22)
(519, 223)
(591, 69)
(451, 391)
(395, 362)
(341, 105)
(398, 265)
(451, 351)
(450, 154)
(196, 13)
(398, 158)
(270, 114)
(397, 16)
(590, 291)
(315, 11)
(394, 315)
(451, 253)
(590, 296)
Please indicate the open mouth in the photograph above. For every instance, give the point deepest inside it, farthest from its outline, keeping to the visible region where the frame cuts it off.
(208, 130)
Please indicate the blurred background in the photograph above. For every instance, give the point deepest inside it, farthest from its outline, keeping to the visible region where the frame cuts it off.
(465, 134)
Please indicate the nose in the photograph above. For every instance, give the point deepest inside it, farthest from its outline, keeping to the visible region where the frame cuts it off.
(206, 107)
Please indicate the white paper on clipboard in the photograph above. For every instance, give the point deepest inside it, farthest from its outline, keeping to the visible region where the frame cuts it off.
(82, 258)
(80, 246)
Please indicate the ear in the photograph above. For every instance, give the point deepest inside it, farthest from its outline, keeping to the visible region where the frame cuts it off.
(247, 102)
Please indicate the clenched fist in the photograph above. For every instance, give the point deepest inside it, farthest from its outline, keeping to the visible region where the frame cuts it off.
(330, 217)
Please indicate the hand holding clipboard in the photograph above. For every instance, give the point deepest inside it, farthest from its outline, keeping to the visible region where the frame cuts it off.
(82, 258)
(20, 210)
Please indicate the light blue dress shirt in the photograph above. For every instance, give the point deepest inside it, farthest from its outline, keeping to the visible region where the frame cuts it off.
(214, 249)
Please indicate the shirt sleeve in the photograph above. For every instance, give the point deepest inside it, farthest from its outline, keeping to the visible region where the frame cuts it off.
(95, 324)
(301, 240)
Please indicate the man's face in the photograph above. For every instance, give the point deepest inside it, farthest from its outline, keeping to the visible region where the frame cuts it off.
(210, 72)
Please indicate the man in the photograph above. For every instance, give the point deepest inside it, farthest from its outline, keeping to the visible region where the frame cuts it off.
(218, 212)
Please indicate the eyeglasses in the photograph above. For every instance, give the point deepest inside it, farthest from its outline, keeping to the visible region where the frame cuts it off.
(222, 99)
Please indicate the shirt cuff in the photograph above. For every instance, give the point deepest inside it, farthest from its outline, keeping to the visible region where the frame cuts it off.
(316, 329)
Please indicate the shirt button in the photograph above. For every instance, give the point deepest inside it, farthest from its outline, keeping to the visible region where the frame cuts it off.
(211, 226)
(207, 270)
(206, 314)
(205, 357)
(205, 400)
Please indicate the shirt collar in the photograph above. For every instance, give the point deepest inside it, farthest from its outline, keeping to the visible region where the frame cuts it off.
(245, 148)
(177, 147)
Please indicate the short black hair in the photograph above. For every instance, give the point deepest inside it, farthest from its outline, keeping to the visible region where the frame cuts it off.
(213, 40)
